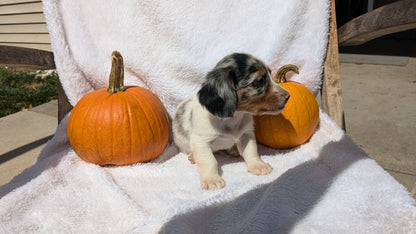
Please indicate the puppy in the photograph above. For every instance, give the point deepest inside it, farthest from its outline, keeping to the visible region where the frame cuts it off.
(220, 115)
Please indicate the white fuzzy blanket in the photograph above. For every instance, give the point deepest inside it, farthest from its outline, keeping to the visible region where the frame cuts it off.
(327, 185)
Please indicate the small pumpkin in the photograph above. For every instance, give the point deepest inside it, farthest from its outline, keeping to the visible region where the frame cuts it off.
(298, 120)
(118, 125)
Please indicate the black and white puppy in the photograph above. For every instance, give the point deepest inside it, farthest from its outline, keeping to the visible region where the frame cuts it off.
(220, 115)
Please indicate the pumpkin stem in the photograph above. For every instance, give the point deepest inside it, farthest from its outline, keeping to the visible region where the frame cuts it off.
(280, 75)
(116, 83)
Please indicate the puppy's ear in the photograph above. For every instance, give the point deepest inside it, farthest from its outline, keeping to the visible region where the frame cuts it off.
(218, 92)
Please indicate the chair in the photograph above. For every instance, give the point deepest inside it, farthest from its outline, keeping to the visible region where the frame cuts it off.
(326, 185)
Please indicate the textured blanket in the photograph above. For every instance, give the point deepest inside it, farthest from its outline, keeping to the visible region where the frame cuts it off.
(327, 185)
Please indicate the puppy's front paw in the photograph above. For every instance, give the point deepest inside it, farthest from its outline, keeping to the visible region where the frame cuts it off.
(212, 182)
(259, 168)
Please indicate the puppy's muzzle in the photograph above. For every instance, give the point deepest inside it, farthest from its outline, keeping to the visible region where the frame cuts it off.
(282, 97)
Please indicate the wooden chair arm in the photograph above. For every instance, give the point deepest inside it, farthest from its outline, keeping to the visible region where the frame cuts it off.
(395, 17)
(331, 92)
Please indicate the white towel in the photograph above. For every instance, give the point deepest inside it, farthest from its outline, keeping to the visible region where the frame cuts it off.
(327, 185)
(169, 47)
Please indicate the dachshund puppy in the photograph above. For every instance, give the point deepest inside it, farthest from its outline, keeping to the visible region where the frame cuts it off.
(220, 115)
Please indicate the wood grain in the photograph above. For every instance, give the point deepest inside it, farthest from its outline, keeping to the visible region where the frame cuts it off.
(331, 92)
(64, 106)
(26, 57)
(388, 19)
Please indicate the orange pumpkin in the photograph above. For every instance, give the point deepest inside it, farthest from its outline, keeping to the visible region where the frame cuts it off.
(118, 126)
(296, 123)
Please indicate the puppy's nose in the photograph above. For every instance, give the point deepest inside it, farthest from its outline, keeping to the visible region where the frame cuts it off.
(287, 96)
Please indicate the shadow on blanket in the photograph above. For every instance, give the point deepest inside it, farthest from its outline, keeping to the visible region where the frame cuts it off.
(262, 210)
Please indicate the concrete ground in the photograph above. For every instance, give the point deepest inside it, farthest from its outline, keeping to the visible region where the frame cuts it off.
(22, 137)
(380, 110)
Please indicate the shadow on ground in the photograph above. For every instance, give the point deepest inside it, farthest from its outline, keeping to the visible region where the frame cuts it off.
(23, 149)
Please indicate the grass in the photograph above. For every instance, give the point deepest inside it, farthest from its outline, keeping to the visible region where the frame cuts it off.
(21, 90)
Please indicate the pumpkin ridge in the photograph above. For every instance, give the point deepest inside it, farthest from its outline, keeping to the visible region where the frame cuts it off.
(299, 125)
(97, 138)
(112, 102)
(124, 105)
(145, 114)
(163, 120)
(81, 123)
(288, 115)
(150, 116)
(127, 106)
(156, 109)
(134, 121)
(84, 121)
(107, 101)
(307, 115)
(310, 114)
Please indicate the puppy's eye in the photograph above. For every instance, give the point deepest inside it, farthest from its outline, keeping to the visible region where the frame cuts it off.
(252, 69)
(259, 83)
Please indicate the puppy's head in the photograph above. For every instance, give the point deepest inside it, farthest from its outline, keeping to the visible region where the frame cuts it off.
(241, 82)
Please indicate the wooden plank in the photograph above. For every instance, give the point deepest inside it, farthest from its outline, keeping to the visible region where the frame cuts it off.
(63, 103)
(25, 38)
(34, 7)
(24, 28)
(331, 92)
(45, 47)
(22, 19)
(31, 58)
(13, 2)
(395, 17)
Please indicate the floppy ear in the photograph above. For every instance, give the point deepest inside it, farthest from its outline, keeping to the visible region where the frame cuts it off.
(218, 92)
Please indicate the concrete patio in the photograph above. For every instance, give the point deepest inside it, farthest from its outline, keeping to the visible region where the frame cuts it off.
(379, 95)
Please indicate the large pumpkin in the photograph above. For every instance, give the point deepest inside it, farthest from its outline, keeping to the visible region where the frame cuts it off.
(118, 126)
(296, 123)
